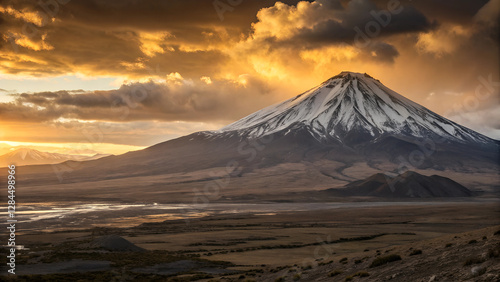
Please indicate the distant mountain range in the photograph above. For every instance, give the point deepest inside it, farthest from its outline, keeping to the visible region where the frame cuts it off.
(27, 156)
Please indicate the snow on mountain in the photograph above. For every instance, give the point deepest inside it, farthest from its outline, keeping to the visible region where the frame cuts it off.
(353, 102)
(27, 156)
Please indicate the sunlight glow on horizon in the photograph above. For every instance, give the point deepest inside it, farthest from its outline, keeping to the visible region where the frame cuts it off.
(31, 84)
(86, 149)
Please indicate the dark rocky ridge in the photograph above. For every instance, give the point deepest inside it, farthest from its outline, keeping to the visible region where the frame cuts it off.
(407, 185)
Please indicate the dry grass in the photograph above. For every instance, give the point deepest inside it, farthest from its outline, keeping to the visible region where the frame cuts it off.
(335, 273)
(384, 260)
(416, 252)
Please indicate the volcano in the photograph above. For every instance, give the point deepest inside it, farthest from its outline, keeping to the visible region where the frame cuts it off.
(353, 108)
(349, 122)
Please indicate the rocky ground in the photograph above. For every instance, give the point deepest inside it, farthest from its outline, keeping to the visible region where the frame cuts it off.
(459, 242)
(470, 256)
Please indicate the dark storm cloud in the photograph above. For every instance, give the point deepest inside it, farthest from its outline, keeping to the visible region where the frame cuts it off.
(364, 24)
(458, 11)
(178, 100)
(382, 52)
(364, 16)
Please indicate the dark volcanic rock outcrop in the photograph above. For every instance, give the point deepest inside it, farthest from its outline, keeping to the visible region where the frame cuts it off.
(115, 243)
(408, 184)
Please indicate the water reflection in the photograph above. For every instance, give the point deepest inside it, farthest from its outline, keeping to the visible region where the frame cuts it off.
(57, 216)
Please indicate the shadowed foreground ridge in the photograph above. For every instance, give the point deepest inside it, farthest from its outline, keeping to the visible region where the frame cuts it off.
(409, 184)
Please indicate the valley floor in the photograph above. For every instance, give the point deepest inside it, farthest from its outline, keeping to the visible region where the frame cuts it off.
(438, 242)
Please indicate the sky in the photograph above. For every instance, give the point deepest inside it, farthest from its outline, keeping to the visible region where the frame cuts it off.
(109, 76)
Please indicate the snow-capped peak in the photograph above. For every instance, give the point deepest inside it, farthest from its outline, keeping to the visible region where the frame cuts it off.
(351, 102)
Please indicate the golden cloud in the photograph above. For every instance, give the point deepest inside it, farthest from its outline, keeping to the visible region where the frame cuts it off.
(153, 43)
(444, 40)
(28, 42)
(283, 21)
(25, 15)
(330, 53)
